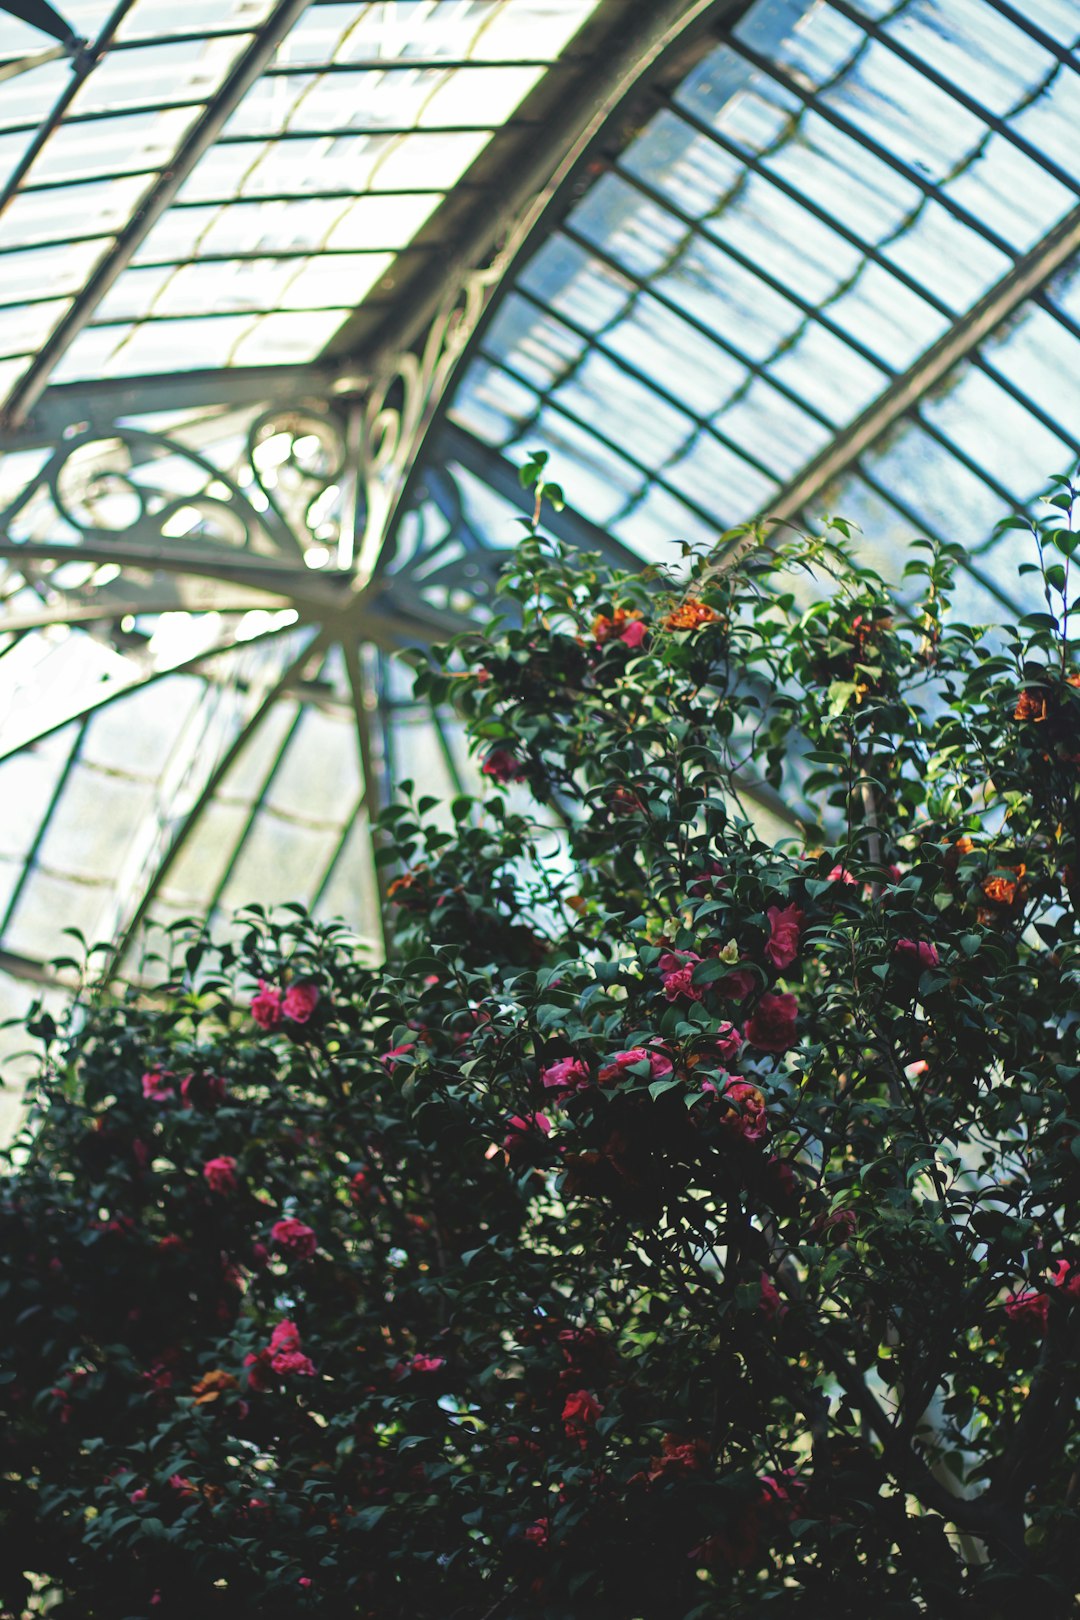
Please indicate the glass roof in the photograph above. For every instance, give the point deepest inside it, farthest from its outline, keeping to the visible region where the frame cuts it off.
(831, 265)
(282, 155)
(827, 195)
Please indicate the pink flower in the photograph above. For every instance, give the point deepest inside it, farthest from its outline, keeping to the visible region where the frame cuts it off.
(568, 1074)
(749, 1120)
(140, 1495)
(770, 1304)
(300, 1002)
(635, 633)
(221, 1174)
(660, 1066)
(285, 1336)
(502, 766)
(840, 874)
(523, 1127)
(389, 1059)
(287, 1362)
(294, 1238)
(155, 1087)
(304, 1580)
(1067, 1278)
(183, 1485)
(782, 946)
(676, 968)
(266, 1006)
(1028, 1309)
(579, 1414)
(423, 1363)
(917, 951)
(539, 1532)
(722, 1046)
(772, 1026)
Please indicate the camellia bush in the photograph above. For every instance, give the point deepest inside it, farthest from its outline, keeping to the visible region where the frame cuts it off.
(681, 1223)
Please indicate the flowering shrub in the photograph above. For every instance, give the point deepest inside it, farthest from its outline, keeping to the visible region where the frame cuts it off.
(680, 1224)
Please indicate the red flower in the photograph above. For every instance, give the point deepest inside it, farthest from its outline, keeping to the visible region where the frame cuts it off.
(266, 1006)
(502, 766)
(579, 1414)
(660, 1066)
(300, 1002)
(770, 1304)
(524, 1129)
(208, 1088)
(539, 1532)
(294, 1238)
(678, 1459)
(221, 1174)
(423, 1363)
(282, 1355)
(747, 1117)
(287, 1362)
(285, 1336)
(721, 1047)
(155, 1087)
(1067, 1278)
(624, 625)
(567, 1074)
(772, 1025)
(919, 952)
(837, 1228)
(677, 968)
(782, 946)
(1028, 1309)
(738, 985)
(389, 1059)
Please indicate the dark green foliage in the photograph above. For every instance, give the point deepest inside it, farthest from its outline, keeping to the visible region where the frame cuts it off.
(776, 1309)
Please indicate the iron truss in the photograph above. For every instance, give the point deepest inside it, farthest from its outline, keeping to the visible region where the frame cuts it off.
(268, 538)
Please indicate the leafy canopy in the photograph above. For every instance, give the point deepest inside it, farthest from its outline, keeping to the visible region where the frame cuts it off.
(682, 1222)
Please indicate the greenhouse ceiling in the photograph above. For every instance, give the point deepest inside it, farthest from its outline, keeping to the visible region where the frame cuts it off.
(287, 292)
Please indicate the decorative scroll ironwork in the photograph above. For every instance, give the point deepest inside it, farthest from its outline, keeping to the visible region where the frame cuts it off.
(403, 404)
(138, 485)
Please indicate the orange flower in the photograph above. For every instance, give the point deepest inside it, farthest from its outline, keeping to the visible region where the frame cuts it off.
(965, 845)
(1002, 890)
(211, 1385)
(1030, 706)
(689, 615)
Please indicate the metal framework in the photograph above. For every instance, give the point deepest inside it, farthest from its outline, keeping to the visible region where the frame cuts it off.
(299, 530)
(315, 517)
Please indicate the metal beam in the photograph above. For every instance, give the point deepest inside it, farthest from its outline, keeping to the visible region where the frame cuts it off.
(202, 135)
(904, 392)
(47, 20)
(665, 34)
(40, 15)
(317, 589)
(101, 403)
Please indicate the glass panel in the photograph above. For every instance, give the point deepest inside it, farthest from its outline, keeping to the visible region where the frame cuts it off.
(39, 272)
(146, 75)
(25, 327)
(998, 433)
(81, 151)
